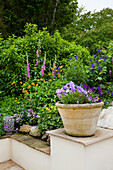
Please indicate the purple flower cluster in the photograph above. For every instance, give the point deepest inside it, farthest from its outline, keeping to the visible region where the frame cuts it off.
(37, 58)
(28, 71)
(32, 114)
(43, 68)
(79, 93)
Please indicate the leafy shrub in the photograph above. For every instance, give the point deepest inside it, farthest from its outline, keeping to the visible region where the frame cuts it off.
(13, 52)
(96, 72)
(92, 30)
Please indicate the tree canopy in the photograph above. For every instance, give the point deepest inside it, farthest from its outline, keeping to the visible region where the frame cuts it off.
(53, 14)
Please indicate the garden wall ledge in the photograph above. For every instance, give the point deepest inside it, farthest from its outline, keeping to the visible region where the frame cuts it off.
(67, 152)
(32, 142)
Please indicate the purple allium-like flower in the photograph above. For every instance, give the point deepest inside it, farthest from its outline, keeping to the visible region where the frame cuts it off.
(93, 65)
(99, 68)
(110, 72)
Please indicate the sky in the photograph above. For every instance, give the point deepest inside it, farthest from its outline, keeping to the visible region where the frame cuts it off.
(91, 5)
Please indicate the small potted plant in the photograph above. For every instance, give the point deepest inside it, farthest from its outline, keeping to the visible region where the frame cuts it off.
(79, 109)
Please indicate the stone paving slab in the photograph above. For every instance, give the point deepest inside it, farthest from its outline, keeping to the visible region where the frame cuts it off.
(35, 143)
(10, 165)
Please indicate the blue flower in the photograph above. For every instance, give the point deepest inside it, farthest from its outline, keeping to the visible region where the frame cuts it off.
(108, 91)
(76, 58)
(70, 58)
(95, 56)
(90, 59)
(104, 60)
(99, 68)
(92, 65)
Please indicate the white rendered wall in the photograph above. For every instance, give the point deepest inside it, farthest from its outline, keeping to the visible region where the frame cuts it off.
(100, 155)
(29, 158)
(5, 149)
(67, 155)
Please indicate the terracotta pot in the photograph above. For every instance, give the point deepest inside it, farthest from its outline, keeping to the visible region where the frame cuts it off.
(80, 119)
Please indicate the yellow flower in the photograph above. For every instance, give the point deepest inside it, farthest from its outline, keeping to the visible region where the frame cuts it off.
(36, 84)
(35, 67)
(49, 74)
(41, 79)
(38, 80)
(33, 117)
(29, 99)
(15, 100)
(24, 84)
(33, 84)
(20, 82)
(51, 107)
(44, 81)
(50, 79)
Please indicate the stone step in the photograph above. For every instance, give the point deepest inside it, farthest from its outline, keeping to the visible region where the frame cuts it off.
(10, 165)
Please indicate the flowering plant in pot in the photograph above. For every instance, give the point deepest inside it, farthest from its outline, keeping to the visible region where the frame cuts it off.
(79, 109)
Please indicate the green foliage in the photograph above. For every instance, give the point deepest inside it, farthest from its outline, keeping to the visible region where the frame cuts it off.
(92, 30)
(51, 14)
(13, 55)
(96, 71)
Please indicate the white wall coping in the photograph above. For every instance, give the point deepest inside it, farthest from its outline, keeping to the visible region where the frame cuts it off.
(100, 134)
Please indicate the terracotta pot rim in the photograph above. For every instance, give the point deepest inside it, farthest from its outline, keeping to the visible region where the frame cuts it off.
(86, 105)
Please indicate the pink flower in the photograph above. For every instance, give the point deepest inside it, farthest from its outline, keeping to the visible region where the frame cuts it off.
(37, 53)
(110, 72)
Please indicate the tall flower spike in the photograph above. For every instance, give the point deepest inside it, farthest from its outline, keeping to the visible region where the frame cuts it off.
(37, 58)
(54, 68)
(43, 66)
(28, 70)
